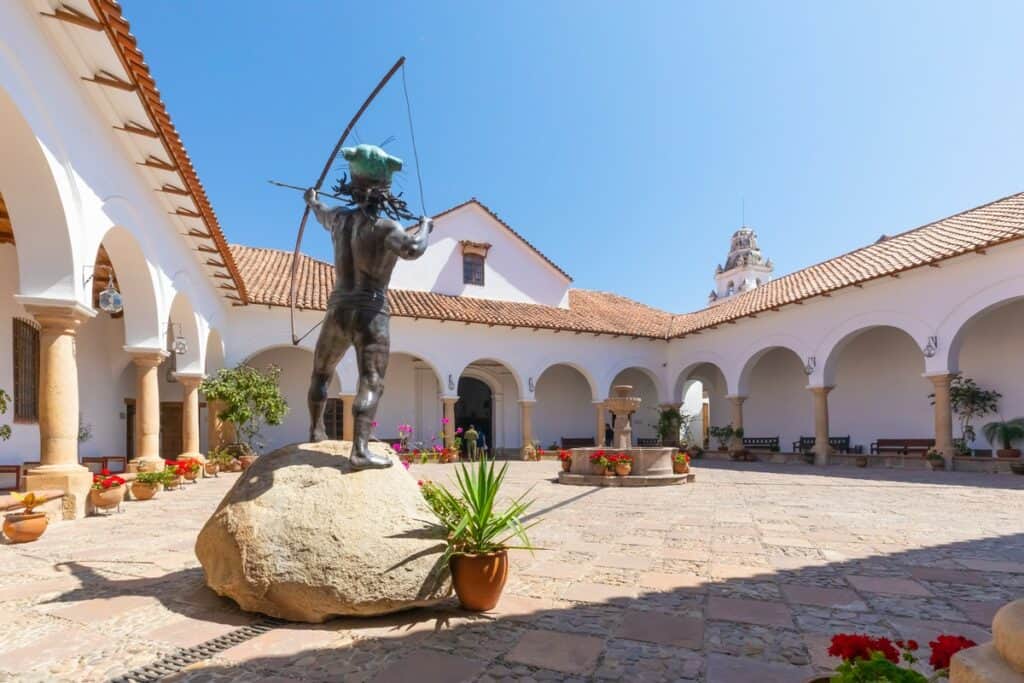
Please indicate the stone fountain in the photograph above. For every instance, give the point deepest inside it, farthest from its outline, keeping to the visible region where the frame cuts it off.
(651, 466)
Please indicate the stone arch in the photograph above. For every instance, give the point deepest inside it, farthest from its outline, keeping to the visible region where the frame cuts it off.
(213, 357)
(182, 319)
(831, 346)
(143, 324)
(958, 320)
(564, 405)
(588, 376)
(754, 354)
(609, 377)
(491, 361)
(695, 360)
(40, 200)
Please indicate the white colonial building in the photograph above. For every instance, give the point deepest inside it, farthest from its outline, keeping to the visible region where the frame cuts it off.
(98, 191)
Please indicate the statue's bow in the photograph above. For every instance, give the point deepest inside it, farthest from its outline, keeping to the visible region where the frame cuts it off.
(320, 181)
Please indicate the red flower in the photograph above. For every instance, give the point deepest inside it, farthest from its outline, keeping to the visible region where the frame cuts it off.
(944, 647)
(105, 472)
(912, 645)
(852, 646)
(564, 455)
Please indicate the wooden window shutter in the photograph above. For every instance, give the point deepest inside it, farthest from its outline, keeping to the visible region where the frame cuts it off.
(26, 371)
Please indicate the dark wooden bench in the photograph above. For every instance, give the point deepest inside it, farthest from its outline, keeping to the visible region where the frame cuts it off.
(10, 477)
(840, 444)
(577, 442)
(647, 443)
(901, 446)
(767, 443)
(115, 464)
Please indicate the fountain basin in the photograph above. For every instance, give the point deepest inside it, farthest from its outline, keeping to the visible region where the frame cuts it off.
(651, 467)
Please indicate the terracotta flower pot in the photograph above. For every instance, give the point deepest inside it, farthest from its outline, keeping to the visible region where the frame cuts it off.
(936, 464)
(24, 527)
(143, 491)
(1008, 453)
(680, 467)
(105, 499)
(598, 468)
(246, 460)
(211, 468)
(608, 471)
(861, 461)
(172, 483)
(191, 476)
(479, 579)
(566, 465)
(623, 469)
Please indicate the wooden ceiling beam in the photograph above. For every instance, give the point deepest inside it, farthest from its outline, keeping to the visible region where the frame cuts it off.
(138, 129)
(187, 213)
(153, 162)
(111, 81)
(206, 250)
(174, 189)
(73, 16)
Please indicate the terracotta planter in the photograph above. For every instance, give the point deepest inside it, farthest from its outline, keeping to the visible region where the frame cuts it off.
(1008, 453)
(211, 468)
(624, 469)
(246, 460)
(24, 527)
(598, 468)
(680, 467)
(191, 476)
(566, 465)
(809, 458)
(608, 472)
(861, 461)
(936, 464)
(479, 579)
(173, 484)
(105, 499)
(143, 491)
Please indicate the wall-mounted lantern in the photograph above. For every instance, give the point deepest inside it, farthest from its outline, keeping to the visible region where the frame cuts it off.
(110, 300)
(931, 348)
(810, 365)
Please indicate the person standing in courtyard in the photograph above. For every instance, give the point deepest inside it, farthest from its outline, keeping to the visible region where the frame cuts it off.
(471, 439)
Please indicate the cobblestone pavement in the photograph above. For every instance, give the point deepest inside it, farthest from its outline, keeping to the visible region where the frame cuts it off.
(739, 577)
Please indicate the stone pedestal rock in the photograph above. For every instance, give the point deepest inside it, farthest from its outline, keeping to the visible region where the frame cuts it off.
(301, 536)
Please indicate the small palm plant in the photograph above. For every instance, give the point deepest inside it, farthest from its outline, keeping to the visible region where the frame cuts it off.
(1004, 432)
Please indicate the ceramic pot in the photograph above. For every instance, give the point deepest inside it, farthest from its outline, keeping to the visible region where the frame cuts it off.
(1008, 453)
(173, 483)
(104, 499)
(246, 460)
(598, 468)
(566, 465)
(680, 467)
(861, 461)
(24, 527)
(608, 472)
(211, 468)
(191, 476)
(479, 579)
(143, 491)
(623, 469)
(936, 464)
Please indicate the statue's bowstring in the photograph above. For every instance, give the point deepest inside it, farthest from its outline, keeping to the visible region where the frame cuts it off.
(323, 175)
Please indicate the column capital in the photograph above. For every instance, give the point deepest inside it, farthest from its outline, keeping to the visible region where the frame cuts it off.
(599, 404)
(736, 398)
(146, 356)
(57, 317)
(528, 402)
(450, 399)
(677, 406)
(940, 378)
(345, 397)
(820, 390)
(190, 379)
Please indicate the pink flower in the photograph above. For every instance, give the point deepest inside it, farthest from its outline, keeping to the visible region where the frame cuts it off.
(444, 420)
(459, 430)
(406, 464)
(373, 424)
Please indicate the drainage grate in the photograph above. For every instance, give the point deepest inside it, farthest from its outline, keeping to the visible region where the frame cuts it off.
(179, 660)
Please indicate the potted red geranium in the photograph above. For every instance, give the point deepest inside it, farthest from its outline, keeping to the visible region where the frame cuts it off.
(867, 658)
(190, 469)
(600, 462)
(681, 462)
(107, 490)
(566, 459)
(623, 464)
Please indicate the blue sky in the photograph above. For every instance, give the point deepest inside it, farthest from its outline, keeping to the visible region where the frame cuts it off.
(620, 138)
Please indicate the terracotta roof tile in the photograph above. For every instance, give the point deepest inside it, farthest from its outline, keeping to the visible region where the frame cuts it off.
(266, 271)
(971, 230)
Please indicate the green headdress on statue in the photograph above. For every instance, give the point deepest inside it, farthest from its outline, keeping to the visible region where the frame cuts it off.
(371, 163)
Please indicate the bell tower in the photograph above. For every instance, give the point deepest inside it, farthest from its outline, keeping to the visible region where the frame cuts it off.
(745, 267)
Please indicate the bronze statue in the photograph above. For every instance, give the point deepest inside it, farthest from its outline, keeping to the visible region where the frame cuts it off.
(366, 248)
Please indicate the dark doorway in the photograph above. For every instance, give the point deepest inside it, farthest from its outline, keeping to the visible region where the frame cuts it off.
(475, 407)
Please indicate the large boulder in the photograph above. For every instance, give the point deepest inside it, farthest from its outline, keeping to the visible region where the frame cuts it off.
(302, 536)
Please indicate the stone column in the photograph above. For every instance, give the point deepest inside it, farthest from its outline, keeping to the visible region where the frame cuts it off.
(190, 416)
(526, 425)
(218, 432)
(449, 414)
(673, 437)
(58, 408)
(599, 434)
(348, 419)
(147, 406)
(737, 419)
(943, 418)
(822, 449)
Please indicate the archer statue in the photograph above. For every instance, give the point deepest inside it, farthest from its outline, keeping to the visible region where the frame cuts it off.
(367, 246)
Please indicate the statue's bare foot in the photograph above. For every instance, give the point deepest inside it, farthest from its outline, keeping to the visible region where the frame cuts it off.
(317, 435)
(369, 461)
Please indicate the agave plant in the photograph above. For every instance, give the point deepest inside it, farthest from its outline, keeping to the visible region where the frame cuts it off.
(1005, 432)
(474, 524)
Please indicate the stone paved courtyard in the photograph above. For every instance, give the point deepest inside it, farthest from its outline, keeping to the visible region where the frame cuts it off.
(740, 577)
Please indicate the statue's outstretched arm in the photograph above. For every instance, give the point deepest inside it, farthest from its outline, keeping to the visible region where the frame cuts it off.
(408, 245)
(324, 214)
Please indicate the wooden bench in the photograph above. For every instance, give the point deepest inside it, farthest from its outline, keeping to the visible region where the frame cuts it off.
(901, 446)
(577, 442)
(765, 443)
(840, 444)
(10, 477)
(115, 464)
